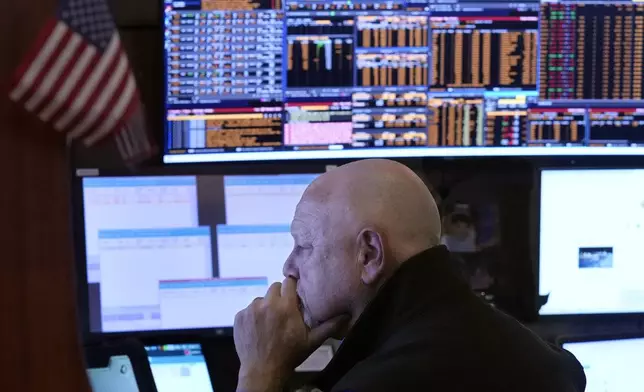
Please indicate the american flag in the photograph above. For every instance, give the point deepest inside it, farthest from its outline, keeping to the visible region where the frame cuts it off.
(77, 78)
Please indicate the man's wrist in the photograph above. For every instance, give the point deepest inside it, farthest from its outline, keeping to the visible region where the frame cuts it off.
(260, 380)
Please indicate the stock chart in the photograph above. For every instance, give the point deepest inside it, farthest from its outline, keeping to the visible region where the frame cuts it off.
(305, 79)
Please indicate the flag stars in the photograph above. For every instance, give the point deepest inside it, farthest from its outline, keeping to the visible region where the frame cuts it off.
(90, 18)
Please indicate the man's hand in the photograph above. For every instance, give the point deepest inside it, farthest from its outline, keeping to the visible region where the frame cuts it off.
(271, 338)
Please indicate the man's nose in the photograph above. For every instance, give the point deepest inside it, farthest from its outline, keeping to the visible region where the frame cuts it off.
(289, 269)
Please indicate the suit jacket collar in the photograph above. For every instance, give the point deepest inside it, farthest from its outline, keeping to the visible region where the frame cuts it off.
(425, 283)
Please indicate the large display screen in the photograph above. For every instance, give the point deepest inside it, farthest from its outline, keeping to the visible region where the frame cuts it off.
(591, 231)
(184, 252)
(611, 365)
(312, 79)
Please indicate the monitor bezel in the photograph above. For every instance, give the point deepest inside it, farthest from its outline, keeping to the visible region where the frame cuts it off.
(78, 232)
(466, 153)
(536, 240)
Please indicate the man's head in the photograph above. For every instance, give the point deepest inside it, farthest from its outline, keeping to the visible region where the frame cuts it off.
(352, 229)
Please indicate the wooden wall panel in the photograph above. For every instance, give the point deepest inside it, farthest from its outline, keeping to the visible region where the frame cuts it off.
(40, 342)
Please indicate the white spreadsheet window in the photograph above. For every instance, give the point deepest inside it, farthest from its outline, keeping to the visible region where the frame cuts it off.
(263, 200)
(207, 303)
(135, 203)
(253, 250)
(133, 262)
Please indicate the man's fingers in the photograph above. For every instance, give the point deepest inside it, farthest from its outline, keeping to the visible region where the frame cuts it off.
(274, 291)
(238, 318)
(289, 288)
(322, 332)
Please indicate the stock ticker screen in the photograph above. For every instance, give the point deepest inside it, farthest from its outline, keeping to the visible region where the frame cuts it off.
(255, 80)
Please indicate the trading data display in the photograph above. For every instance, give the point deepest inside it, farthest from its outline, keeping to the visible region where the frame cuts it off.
(320, 52)
(227, 130)
(617, 126)
(393, 51)
(243, 5)
(392, 69)
(390, 128)
(393, 31)
(251, 80)
(217, 55)
(319, 61)
(318, 124)
(412, 99)
(457, 122)
(592, 51)
(484, 51)
(506, 120)
(557, 126)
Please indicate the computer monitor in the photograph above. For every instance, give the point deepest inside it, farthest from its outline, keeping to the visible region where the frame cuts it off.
(591, 226)
(183, 252)
(258, 80)
(179, 367)
(611, 364)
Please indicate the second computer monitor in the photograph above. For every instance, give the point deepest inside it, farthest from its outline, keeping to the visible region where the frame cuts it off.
(184, 252)
(590, 245)
(610, 363)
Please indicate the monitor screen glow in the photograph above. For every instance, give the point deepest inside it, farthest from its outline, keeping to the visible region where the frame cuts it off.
(590, 238)
(162, 250)
(179, 367)
(611, 365)
(259, 80)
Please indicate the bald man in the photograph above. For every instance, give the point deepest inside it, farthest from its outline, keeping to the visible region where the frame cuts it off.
(367, 267)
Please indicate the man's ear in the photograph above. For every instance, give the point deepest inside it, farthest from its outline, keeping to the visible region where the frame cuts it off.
(371, 256)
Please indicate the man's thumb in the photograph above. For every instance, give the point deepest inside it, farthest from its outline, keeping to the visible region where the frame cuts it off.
(322, 332)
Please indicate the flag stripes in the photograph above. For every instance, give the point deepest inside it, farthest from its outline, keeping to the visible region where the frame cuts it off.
(91, 110)
(82, 87)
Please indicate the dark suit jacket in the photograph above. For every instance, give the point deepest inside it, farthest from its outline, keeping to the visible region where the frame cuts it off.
(427, 331)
